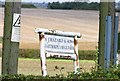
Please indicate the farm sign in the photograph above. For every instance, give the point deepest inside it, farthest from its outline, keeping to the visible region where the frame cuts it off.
(59, 44)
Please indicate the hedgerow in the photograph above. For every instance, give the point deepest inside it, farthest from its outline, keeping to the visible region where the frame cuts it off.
(28, 6)
(34, 53)
(112, 74)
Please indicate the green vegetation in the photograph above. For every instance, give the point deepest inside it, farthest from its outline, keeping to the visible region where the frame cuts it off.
(0, 52)
(0, 48)
(29, 53)
(112, 74)
(87, 54)
(119, 42)
(74, 5)
(34, 53)
(28, 6)
(1, 39)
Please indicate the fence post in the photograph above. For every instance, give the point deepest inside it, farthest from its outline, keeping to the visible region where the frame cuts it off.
(11, 48)
(106, 8)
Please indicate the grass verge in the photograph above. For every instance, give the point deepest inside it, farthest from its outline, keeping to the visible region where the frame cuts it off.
(33, 66)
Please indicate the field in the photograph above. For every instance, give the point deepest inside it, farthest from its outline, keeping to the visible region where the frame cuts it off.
(84, 22)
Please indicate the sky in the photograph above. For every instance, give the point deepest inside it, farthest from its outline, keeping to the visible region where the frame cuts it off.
(55, 0)
(61, 0)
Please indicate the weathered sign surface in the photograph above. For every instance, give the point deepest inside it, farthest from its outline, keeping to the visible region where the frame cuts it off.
(59, 44)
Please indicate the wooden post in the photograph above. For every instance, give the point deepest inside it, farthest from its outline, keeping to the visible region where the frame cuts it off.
(106, 9)
(42, 54)
(76, 61)
(102, 25)
(11, 37)
(6, 37)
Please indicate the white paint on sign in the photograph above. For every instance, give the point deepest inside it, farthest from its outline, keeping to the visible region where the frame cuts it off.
(16, 28)
(59, 44)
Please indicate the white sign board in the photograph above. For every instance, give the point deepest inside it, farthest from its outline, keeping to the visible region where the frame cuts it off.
(59, 44)
(16, 28)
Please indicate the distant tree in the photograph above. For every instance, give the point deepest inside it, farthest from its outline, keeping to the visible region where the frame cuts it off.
(54, 5)
(28, 6)
(74, 5)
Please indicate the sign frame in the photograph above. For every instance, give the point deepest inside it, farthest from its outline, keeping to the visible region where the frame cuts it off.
(43, 54)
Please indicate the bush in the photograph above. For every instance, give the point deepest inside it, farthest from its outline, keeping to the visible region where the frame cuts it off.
(34, 53)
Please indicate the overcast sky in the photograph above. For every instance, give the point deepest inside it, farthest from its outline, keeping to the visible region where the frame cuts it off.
(55, 0)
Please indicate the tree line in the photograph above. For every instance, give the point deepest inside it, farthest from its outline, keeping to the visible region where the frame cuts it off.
(23, 5)
(74, 5)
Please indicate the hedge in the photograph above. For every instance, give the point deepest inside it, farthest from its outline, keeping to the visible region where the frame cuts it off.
(34, 53)
(28, 6)
(95, 75)
(29, 53)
